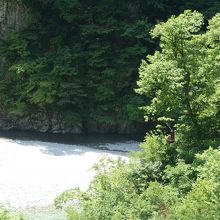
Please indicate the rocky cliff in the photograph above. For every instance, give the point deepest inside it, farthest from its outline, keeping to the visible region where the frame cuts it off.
(41, 122)
(13, 15)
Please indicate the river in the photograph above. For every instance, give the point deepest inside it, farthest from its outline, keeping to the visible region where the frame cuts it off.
(35, 168)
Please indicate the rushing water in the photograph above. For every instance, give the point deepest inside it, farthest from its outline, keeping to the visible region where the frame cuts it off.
(34, 168)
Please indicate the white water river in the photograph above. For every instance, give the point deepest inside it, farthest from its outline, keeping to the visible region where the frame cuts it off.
(33, 173)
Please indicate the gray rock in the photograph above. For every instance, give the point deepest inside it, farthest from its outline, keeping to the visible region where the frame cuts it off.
(56, 124)
(13, 15)
(40, 122)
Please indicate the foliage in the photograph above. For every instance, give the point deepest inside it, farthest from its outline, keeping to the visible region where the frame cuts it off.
(4, 215)
(80, 58)
(180, 176)
(113, 195)
(75, 55)
(182, 80)
(186, 191)
(202, 202)
(7, 215)
(157, 149)
(167, 181)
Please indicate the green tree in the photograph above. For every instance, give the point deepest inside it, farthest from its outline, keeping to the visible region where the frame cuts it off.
(202, 202)
(182, 79)
(83, 53)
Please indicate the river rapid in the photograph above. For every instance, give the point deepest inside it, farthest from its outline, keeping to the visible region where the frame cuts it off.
(35, 169)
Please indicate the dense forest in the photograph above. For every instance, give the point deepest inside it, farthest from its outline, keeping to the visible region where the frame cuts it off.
(77, 61)
(169, 178)
(120, 62)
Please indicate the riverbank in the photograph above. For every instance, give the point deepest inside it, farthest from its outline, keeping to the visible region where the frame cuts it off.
(56, 124)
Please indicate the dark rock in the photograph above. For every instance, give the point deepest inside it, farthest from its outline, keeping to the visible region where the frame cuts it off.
(56, 124)
(40, 122)
(117, 128)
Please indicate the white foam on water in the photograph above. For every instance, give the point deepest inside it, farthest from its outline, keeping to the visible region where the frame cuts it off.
(33, 173)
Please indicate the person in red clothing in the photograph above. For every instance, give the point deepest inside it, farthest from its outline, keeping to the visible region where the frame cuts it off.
(171, 137)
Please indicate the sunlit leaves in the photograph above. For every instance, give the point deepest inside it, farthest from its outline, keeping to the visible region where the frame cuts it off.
(182, 79)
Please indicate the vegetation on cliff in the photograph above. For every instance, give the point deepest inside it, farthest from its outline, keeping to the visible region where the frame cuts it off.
(80, 59)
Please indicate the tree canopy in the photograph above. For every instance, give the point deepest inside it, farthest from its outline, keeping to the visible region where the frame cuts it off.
(75, 54)
(182, 79)
(163, 180)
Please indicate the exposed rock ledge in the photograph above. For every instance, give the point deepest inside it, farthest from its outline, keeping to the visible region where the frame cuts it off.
(41, 123)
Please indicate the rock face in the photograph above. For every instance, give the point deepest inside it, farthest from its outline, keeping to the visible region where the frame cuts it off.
(40, 122)
(55, 124)
(13, 15)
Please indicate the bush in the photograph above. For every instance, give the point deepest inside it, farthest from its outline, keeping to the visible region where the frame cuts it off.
(7, 215)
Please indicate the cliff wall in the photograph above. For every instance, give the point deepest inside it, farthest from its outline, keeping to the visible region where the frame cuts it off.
(13, 15)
